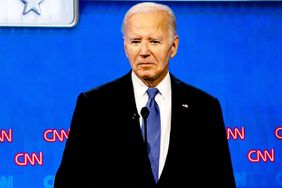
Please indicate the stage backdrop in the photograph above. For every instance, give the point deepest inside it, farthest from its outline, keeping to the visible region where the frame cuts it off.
(233, 50)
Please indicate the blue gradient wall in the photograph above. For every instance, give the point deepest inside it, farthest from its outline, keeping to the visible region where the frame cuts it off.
(232, 50)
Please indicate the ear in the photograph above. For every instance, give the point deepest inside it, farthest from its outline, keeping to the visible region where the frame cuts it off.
(174, 46)
(125, 48)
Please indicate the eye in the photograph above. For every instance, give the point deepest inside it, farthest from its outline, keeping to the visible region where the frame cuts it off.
(155, 42)
(135, 42)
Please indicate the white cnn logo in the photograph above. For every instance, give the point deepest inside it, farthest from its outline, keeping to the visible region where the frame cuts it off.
(38, 13)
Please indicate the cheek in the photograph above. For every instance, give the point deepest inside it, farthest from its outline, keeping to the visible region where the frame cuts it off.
(132, 54)
(161, 53)
(163, 58)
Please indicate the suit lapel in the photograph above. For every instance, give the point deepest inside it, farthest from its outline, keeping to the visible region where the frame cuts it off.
(180, 116)
(180, 104)
(128, 113)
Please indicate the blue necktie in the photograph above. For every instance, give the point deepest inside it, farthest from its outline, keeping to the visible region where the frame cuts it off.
(153, 131)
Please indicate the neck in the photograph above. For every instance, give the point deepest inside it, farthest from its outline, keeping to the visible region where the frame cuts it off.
(153, 82)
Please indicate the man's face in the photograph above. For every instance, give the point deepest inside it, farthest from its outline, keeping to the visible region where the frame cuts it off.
(149, 46)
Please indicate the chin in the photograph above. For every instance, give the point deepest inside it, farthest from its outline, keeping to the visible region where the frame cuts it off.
(146, 75)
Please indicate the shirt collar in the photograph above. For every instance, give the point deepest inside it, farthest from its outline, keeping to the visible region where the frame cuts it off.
(140, 88)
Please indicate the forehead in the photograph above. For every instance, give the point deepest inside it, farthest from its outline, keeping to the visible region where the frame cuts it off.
(139, 22)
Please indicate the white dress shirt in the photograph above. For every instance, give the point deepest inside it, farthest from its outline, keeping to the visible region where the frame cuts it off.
(163, 98)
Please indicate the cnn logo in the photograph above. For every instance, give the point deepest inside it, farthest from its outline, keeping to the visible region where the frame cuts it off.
(24, 159)
(53, 135)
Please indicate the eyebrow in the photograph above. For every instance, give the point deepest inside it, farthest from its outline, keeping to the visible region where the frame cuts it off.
(150, 38)
(155, 38)
(135, 38)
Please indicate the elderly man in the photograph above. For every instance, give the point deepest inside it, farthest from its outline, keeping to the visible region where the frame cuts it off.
(147, 129)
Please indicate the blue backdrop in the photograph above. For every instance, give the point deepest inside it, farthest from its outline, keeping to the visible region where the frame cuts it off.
(232, 50)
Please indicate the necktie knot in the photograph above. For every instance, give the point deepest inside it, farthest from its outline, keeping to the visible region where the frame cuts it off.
(152, 92)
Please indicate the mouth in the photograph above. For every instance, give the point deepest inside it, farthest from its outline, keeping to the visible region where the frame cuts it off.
(145, 64)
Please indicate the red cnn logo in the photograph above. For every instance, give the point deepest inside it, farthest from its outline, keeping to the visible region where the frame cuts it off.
(23, 159)
(256, 156)
(6, 135)
(52, 135)
(236, 133)
(278, 133)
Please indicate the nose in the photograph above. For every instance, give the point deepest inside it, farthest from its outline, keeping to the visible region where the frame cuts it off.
(144, 50)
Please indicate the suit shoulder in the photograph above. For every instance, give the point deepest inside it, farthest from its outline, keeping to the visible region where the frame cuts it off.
(191, 90)
(110, 88)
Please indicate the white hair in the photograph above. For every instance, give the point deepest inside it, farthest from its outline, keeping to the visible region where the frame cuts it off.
(149, 7)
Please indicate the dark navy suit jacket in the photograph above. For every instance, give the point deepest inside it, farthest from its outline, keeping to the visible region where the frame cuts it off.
(105, 146)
